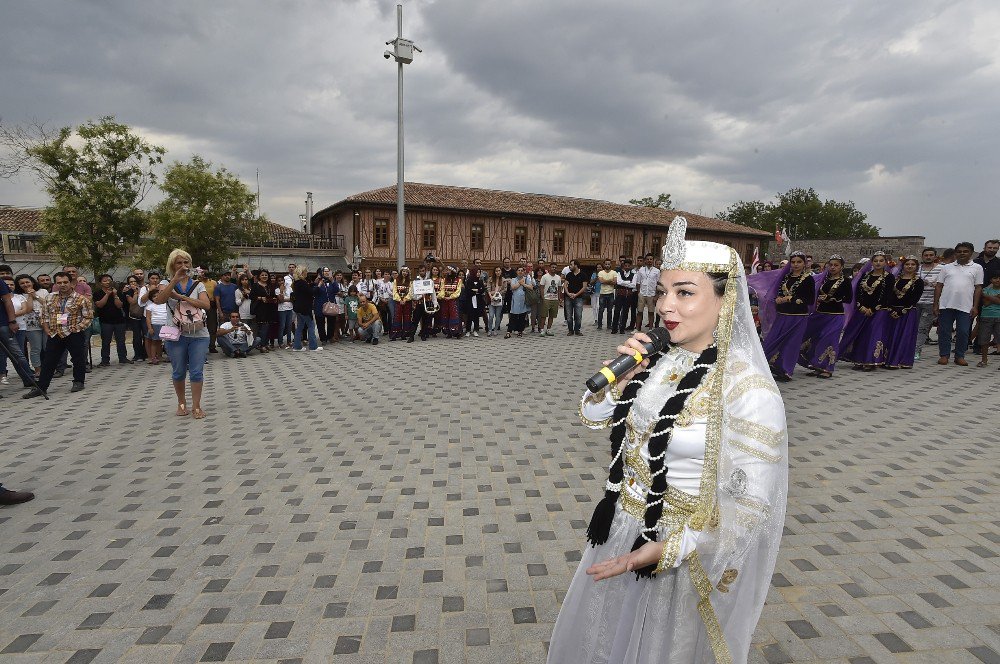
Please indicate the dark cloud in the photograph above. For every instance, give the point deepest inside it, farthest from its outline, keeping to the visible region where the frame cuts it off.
(891, 105)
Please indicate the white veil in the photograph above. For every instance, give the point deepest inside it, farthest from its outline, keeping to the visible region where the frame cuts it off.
(744, 483)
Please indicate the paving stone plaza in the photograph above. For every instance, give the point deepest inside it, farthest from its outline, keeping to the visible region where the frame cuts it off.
(421, 503)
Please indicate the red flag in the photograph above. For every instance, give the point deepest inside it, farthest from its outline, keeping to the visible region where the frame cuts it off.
(777, 235)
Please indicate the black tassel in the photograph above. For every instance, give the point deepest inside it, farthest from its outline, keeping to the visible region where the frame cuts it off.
(647, 571)
(600, 524)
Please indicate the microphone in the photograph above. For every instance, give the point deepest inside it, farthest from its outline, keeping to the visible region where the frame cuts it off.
(623, 363)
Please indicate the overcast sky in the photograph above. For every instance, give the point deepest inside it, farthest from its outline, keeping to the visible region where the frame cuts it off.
(893, 105)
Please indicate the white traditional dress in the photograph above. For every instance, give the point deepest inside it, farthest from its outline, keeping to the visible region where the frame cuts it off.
(727, 474)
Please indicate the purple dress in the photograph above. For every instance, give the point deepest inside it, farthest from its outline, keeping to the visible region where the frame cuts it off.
(784, 340)
(866, 336)
(826, 323)
(902, 334)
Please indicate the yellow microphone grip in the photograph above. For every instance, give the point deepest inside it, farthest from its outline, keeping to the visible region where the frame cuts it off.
(609, 374)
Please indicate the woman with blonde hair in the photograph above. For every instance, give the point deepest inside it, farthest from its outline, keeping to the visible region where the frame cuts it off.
(186, 335)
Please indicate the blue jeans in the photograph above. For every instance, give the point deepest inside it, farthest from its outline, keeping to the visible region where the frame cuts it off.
(229, 347)
(303, 323)
(496, 315)
(36, 344)
(17, 357)
(607, 304)
(285, 319)
(373, 331)
(573, 310)
(962, 322)
(187, 355)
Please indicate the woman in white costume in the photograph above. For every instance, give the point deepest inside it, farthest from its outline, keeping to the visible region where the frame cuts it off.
(685, 539)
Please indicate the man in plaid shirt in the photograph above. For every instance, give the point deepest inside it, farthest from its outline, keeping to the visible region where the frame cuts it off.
(66, 316)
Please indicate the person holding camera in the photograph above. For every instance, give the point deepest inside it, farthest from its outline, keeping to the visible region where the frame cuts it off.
(186, 337)
(236, 337)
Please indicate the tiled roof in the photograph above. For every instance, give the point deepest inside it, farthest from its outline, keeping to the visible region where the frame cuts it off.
(418, 194)
(279, 232)
(28, 220)
(25, 220)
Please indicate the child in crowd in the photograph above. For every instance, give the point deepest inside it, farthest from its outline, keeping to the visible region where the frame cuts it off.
(351, 304)
(989, 319)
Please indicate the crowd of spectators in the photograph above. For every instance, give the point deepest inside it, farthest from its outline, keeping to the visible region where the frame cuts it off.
(48, 323)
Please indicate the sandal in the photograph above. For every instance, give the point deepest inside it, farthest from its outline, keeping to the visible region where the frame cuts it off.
(823, 374)
(981, 365)
(520, 335)
(182, 410)
(507, 336)
(198, 414)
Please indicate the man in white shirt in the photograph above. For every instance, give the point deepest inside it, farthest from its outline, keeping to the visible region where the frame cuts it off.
(646, 278)
(956, 297)
(236, 337)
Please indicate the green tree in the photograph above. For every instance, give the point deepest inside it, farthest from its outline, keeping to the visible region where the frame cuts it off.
(204, 212)
(96, 177)
(661, 201)
(802, 211)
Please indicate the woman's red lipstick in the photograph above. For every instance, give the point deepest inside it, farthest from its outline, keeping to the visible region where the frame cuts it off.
(670, 324)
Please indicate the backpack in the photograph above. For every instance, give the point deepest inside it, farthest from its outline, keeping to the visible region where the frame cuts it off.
(187, 317)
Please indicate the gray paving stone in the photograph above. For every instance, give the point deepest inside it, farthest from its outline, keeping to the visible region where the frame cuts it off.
(437, 531)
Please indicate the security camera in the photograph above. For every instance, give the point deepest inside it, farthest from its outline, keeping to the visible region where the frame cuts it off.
(387, 54)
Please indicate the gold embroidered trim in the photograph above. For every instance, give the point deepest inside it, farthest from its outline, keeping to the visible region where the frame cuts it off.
(727, 580)
(671, 549)
(704, 587)
(673, 517)
(593, 424)
(758, 432)
(829, 355)
(707, 512)
(596, 397)
(756, 382)
(638, 470)
(753, 451)
(706, 267)
(699, 404)
(753, 504)
(739, 367)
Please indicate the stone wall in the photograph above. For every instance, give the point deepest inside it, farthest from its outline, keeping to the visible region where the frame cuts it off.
(852, 249)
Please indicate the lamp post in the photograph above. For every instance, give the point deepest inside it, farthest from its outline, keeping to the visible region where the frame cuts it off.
(402, 52)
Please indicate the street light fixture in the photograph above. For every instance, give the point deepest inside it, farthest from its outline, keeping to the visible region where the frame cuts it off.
(402, 51)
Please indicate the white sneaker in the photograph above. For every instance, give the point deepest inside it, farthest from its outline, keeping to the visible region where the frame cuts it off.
(298, 350)
(468, 334)
(4, 381)
(318, 349)
(475, 334)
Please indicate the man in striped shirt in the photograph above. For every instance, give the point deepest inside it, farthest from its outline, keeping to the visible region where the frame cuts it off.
(928, 271)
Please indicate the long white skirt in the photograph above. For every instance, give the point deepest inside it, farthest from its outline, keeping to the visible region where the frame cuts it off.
(624, 620)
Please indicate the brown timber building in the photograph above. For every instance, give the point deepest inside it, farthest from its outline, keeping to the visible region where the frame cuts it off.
(456, 223)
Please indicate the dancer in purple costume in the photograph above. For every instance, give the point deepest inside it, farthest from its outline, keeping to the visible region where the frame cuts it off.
(904, 316)
(822, 339)
(866, 332)
(795, 295)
